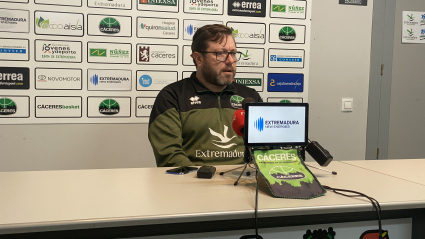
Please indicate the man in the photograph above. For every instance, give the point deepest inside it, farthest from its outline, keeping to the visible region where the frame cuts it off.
(191, 120)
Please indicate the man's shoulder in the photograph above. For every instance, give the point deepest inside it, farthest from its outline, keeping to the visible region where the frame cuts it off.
(178, 85)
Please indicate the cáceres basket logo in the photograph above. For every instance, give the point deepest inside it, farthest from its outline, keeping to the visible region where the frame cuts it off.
(109, 25)
(7, 106)
(109, 107)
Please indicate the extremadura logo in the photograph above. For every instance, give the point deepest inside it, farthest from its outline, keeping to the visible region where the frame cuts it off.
(109, 107)
(7, 106)
(109, 25)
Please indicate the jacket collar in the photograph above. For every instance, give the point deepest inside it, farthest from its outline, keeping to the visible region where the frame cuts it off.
(200, 88)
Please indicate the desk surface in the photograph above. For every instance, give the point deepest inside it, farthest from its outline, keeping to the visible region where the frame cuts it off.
(408, 169)
(77, 199)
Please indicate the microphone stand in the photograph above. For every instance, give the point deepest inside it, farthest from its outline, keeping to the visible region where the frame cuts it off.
(247, 161)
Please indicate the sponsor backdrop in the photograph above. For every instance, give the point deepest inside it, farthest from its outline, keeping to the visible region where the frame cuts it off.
(104, 61)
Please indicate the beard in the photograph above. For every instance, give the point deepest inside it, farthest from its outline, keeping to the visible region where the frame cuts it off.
(218, 79)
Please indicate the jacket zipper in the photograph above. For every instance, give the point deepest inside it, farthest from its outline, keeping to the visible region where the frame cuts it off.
(219, 107)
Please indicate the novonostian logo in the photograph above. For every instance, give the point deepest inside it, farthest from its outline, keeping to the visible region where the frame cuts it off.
(109, 25)
(7, 106)
(259, 124)
(109, 107)
(45, 24)
(287, 34)
(144, 53)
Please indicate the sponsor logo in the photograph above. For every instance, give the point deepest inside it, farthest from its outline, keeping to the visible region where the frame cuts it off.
(94, 79)
(7, 106)
(296, 9)
(159, 2)
(224, 141)
(259, 124)
(118, 53)
(166, 26)
(41, 78)
(410, 32)
(255, 8)
(287, 34)
(58, 107)
(145, 80)
(109, 107)
(98, 52)
(422, 37)
(109, 25)
(236, 101)
(144, 53)
(13, 49)
(285, 101)
(107, 4)
(203, 6)
(14, 78)
(190, 29)
(423, 20)
(411, 20)
(62, 50)
(285, 172)
(145, 107)
(12, 20)
(236, 34)
(285, 58)
(278, 8)
(45, 24)
(248, 81)
(194, 100)
(284, 82)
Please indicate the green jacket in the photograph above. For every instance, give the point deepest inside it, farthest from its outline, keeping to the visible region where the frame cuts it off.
(191, 125)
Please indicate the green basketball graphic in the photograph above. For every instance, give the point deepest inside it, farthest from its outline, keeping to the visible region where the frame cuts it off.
(109, 25)
(287, 34)
(109, 107)
(7, 106)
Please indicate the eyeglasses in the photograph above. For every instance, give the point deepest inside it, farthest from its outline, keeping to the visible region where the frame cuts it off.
(223, 55)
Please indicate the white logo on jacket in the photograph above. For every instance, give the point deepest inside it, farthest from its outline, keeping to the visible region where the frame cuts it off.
(222, 143)
(195, 100)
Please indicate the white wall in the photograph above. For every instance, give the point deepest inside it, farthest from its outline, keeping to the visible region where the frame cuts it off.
(340, 59)
(340, 64)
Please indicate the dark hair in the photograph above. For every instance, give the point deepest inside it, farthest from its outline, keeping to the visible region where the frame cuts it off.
(214, 33)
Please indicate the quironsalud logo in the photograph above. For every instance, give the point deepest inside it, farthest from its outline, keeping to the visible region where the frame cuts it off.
(423, 20)
(422, 37)
(259, 124)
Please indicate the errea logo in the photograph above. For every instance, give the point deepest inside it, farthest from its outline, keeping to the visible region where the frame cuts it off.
(195, 100)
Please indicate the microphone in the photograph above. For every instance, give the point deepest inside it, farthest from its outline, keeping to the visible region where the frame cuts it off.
(318, 153)
(238, 119)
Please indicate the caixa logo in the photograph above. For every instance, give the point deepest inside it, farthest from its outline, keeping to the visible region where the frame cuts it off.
(259, 124)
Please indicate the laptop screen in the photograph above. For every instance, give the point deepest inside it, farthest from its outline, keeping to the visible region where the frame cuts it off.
(276, 124)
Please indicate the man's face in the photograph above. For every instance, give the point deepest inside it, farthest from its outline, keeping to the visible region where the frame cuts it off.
(219, 73)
